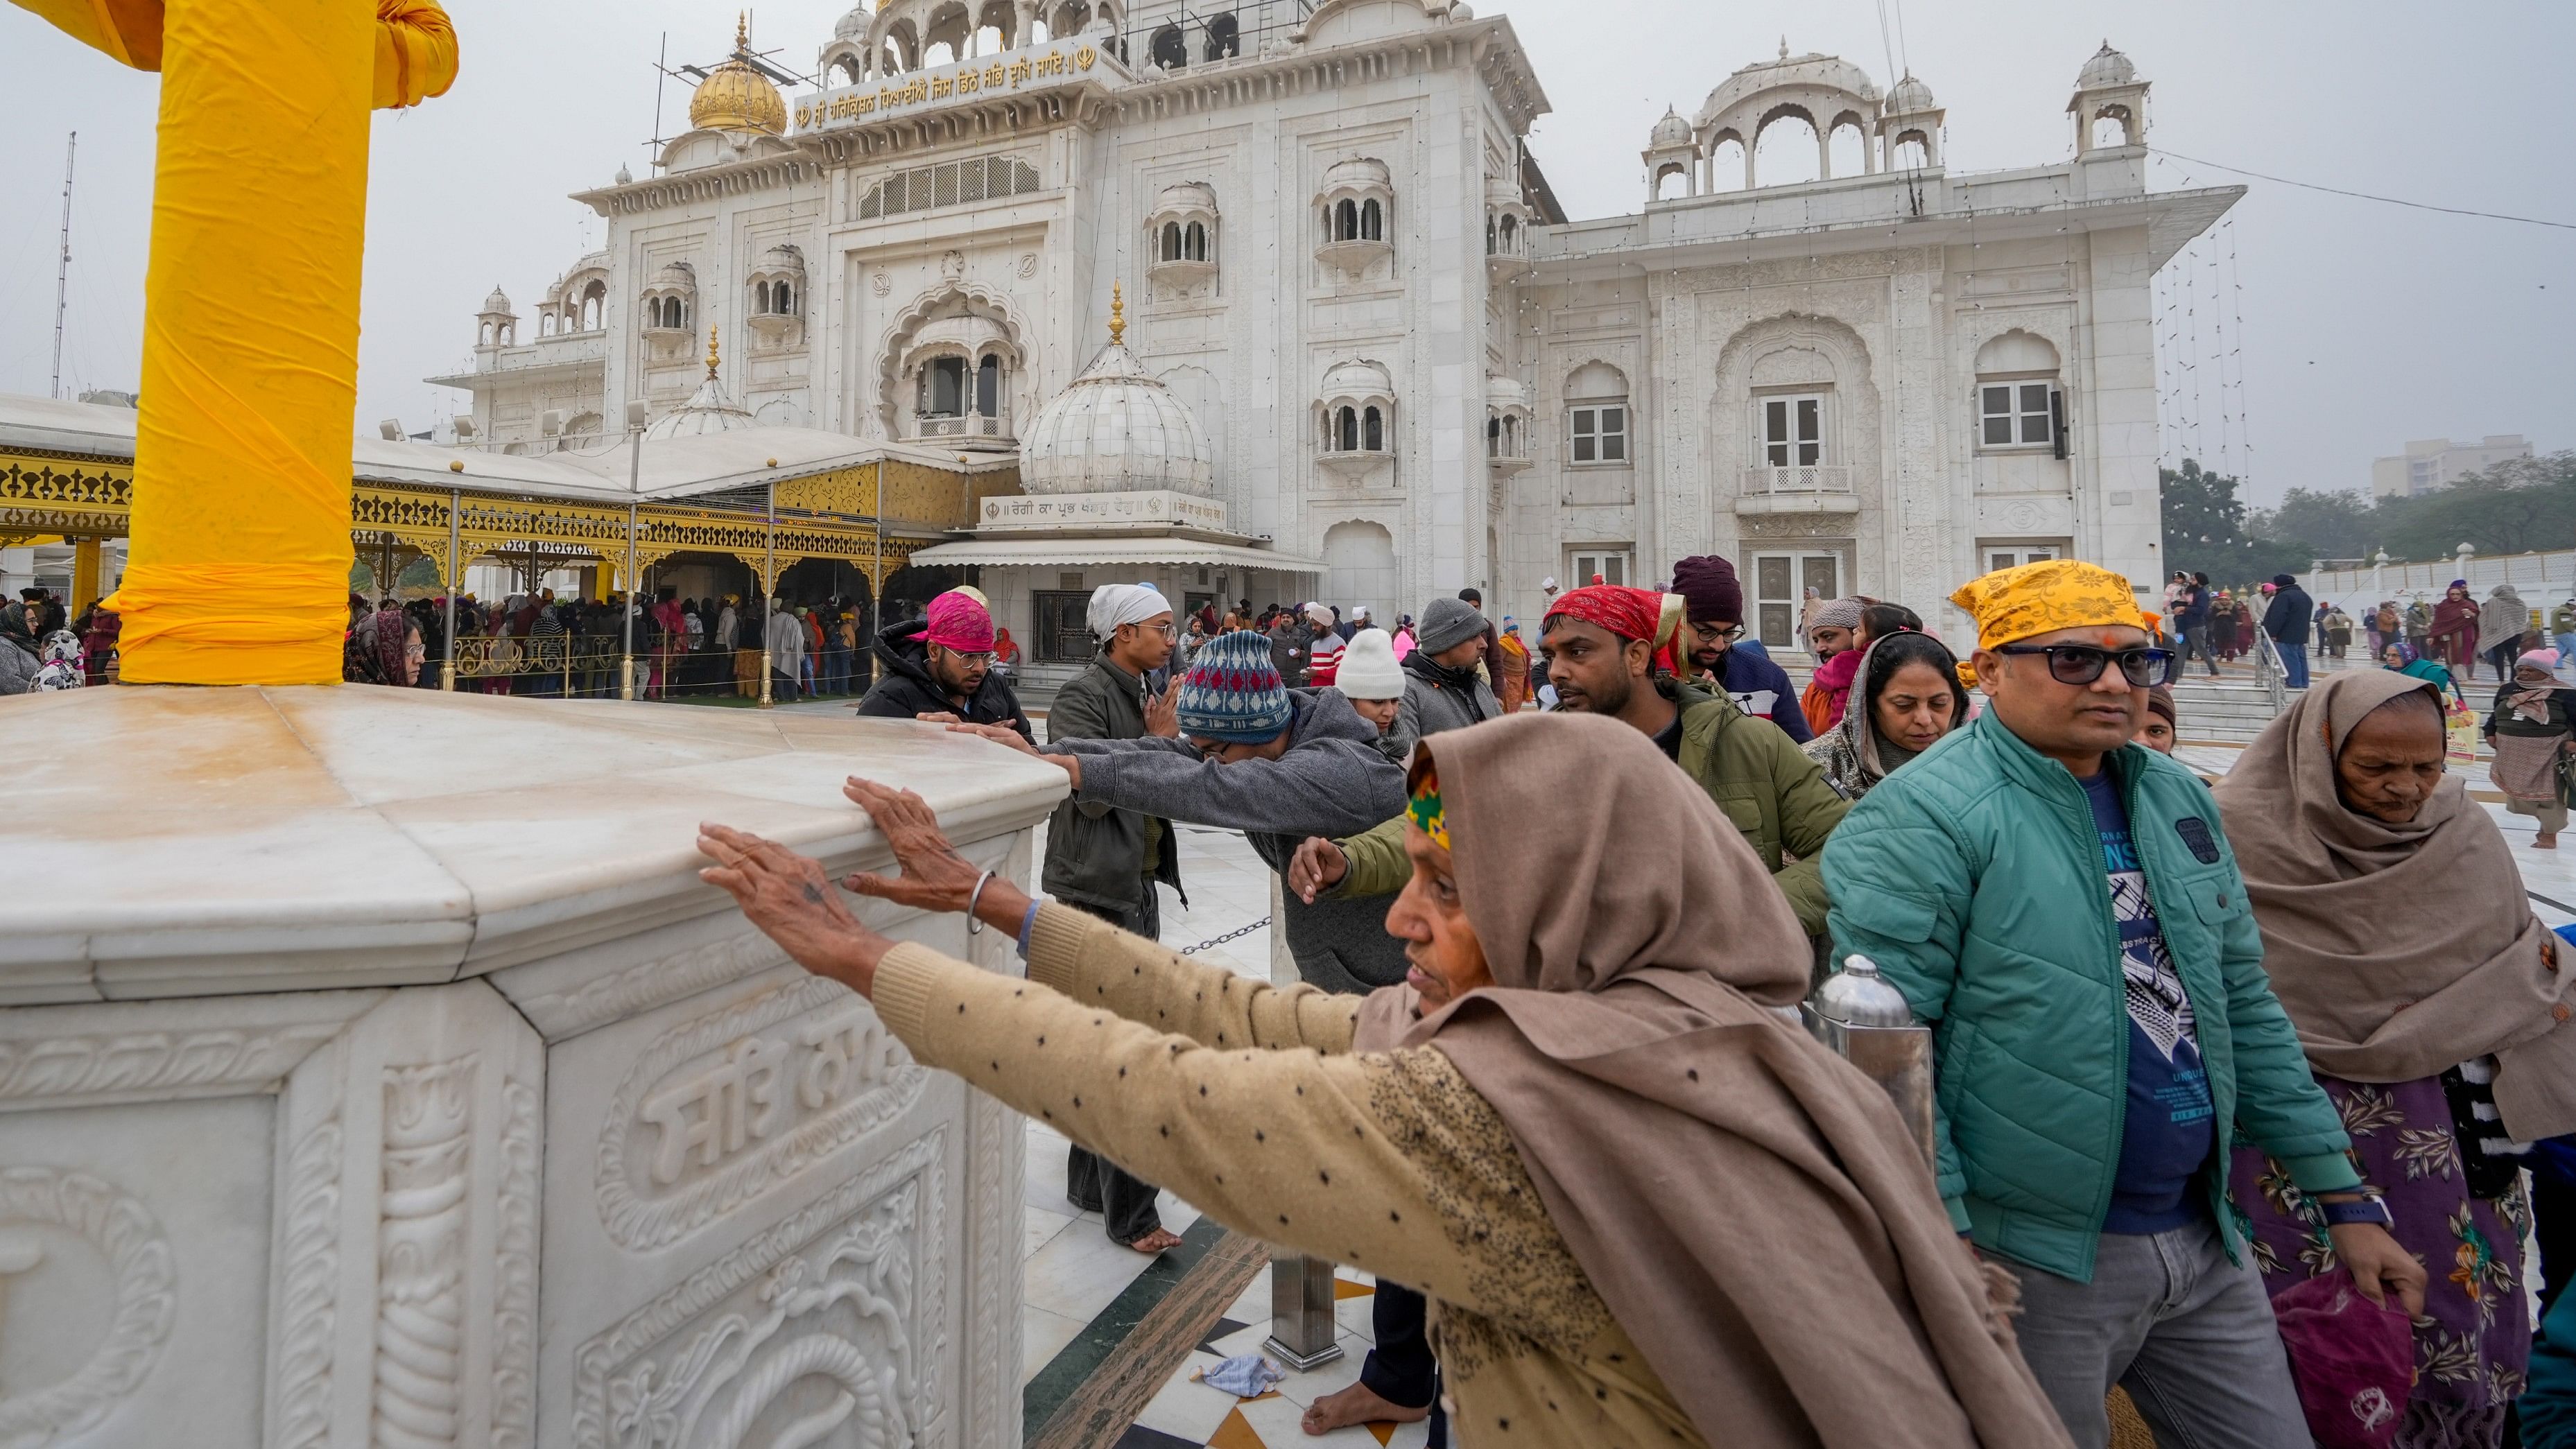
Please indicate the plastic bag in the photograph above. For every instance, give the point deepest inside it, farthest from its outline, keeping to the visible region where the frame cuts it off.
(2460, 728)
(2353, 1361)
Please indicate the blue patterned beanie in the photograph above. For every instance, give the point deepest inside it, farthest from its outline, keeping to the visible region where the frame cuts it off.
(1233, 693)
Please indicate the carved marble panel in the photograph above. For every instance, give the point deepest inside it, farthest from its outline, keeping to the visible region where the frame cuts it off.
(826, 1330)
(720, 1108)
(123, 1284)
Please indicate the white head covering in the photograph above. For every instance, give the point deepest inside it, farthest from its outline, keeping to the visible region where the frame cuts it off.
(1368, 668)
(1116, 604)
(1320, 615)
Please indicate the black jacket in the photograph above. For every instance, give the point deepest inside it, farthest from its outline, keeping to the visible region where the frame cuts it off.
(906, 689)
(1096, 852)
(2291, 613)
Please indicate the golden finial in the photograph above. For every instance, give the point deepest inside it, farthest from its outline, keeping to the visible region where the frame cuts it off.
(711, 354)
(741, 32)
(1117, 315)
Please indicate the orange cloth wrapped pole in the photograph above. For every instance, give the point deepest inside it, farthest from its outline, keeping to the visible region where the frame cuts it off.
(239, 558)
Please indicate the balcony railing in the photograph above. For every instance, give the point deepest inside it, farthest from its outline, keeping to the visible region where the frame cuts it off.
(970, 425)
(1806, 478)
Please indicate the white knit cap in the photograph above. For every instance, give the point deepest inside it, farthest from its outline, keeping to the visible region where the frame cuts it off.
(1116, 604)
(1320, 614)
(1368, 669)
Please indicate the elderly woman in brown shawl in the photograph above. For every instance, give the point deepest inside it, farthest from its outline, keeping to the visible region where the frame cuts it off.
(2441, 1035)
(1646, 1209)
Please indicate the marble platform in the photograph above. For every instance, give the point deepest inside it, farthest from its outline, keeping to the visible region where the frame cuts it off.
(374, 1070)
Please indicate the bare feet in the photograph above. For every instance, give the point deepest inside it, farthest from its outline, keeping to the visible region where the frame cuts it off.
(1160, 1240)
(1357, 1404)
(2544, 842)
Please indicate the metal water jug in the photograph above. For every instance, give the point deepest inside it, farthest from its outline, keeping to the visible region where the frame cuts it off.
(1864, 1018)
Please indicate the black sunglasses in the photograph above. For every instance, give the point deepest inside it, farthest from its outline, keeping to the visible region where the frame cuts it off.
(2082, 663)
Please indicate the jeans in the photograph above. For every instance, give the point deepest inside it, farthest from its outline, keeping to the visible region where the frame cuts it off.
(2566, 647)
(2189, 1334)
(1124, 1201)
(2195, 640)
(2294, 665)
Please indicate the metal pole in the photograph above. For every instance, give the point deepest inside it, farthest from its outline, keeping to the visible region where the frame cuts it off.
(634, 491)
(1302, 1330)
(63, 269)
(769, 590)
(456, 579)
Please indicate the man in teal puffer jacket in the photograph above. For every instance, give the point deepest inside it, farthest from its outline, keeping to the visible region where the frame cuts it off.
(2064, 910)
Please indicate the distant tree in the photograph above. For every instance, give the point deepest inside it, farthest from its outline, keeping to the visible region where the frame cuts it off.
(2340, 524)
(2206, 530)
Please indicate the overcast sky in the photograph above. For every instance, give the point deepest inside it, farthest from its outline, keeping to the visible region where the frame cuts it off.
(2364, 325)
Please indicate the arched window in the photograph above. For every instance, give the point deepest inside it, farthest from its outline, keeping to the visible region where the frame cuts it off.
(1493, 437)
(1171, 241)
(1346, 221)
(1489, 236)
(590, 314)
(1511, 437)
(1224, 38)
(1372, 221)
(1510, 226)
(1350, 429)
(1194, 246)
(1375, 438)
(545, 324)
(487, 334)
(988, 386)
(1171, 49)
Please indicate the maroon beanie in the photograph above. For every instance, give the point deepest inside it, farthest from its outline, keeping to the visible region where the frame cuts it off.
(1709, 589)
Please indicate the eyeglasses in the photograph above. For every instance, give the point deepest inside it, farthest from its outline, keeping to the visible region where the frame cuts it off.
(1726, 635)
(969, 660)
(2082, 663)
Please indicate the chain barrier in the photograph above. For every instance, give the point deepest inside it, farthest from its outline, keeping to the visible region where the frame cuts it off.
(1234, 935)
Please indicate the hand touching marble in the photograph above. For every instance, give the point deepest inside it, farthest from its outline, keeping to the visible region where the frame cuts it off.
(792, 901)
(935, 877)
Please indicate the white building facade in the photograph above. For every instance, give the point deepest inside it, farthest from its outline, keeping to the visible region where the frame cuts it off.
(1405, 362)
(2431, 464)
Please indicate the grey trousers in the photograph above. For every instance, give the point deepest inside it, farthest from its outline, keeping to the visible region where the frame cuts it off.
(2189, 1334)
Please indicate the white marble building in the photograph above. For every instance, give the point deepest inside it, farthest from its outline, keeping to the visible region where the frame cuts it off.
(1404, 360)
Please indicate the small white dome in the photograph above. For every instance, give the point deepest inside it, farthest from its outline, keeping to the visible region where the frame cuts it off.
(1115, 429)
(1672, 130)
(707, 411)
(1359, 174)
(1358, 380)
(2108, 67)
(853, 25)
(624, 176)
(1505, 392)
(677, 276)
(499, 301)
(780, 260)
(1909, 95)
(1187, 196)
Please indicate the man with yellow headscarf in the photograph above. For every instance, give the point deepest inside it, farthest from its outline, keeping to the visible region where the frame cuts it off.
(2062, 907)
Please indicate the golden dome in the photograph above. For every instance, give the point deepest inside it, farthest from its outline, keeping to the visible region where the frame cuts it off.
(737, 97)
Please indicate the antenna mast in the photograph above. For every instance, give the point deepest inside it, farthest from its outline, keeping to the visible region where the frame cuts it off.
(63, 268)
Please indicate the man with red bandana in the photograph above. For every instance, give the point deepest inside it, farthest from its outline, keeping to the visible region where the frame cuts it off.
(1598, 642)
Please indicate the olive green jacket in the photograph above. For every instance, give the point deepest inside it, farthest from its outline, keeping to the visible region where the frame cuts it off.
(1749, 767)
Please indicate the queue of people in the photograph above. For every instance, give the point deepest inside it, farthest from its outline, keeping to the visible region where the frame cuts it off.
(2207, 1140)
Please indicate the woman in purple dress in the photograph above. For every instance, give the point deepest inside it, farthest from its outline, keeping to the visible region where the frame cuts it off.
(2440, 1034)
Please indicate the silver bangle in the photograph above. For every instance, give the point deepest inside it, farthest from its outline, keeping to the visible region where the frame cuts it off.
(975, 927)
